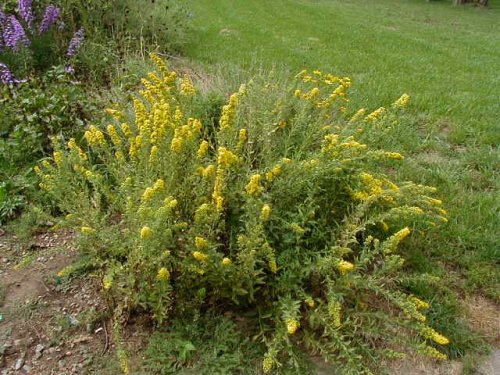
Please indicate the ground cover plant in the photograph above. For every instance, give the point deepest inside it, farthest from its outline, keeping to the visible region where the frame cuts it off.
(280, 212)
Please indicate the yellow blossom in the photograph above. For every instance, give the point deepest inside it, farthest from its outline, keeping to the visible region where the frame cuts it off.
(94, 136)
(344, 266)
(402, 101)
(87, 230)
(265, 212)
(226, 261)
(242, 138)
(199, 256)
(163, 274)
(431, 352)
(334, 309)
(200, 243)
(208, 171)
(360, 113)
(254, 187)
(419, 304)
(58, 157)
(203, 149)
(119, 155)
(148, 194)
(228, 115)
(176, 145)
(310, 302)
(226, 158)
(292, 325)
(267, 364)
(171, 202)
(153, 155)
(375, 114)
(107, 282)
(273, 266)
(187, 87)
(146, 232)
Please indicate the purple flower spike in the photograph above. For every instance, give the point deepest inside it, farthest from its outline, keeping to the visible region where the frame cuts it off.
(26, 11)
(75, 42)
(3, 18)
(7, 77)
(14, 33)
(69, 69)
(49, 18)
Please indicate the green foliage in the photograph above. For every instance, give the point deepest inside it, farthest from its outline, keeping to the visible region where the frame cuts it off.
(281, 212)
(52, 105)
(201, 345)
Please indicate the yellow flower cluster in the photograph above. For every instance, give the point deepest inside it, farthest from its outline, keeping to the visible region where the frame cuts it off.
(187, 87)
(334, 309)
(393, 241)
(202, 150)
(273, 173)
(431, 352)
(431, 334)
(242, 139)
(402, 101)
(113, 134)
(375, 114)
(360, 113)
(254, 187)
(200, 243)
(225, 158)
(344, 266)
(58, 158)
(265, 212)
(228, 115)
(107, 282)
(74, 147)
(87, 230)
(310, 302)
(419, 304)
(267, 364)
(292, 325)
(273, 266)
(372, 187)
(226, 261)
(146, 232)
(163, 274)
(199, 256)
(94, 137)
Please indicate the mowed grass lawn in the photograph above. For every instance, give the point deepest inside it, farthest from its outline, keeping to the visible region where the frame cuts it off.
(446, 58)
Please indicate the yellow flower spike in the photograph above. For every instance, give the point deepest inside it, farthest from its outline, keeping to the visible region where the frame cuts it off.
(267, 364)
(375, 114)
(226, 261)
(159, 185)
(115, 138)
(171, 202)
(402, 101)
(187, 88)
(292, 325)
(273, 266)
(107, 282)
(146, 233)
(385, 227)
(153, 155)
(297, 93)
(254, 187)
(126, 130)
(200, 243)
(440, 339)
(176, 145)
(419, 304)
(87, 230)
(334, 310)
(226, 158)
(57, 158)
(242, 138)
(435, 202)
(199, 256)
(228, 115)
(202, 150)
(37, 170)
(163, 274)
(148, 194)
(403, 233)
(360, 113)
(431, 352)
(394, 155)
(344, 266)
(310, 302)
(265, 212)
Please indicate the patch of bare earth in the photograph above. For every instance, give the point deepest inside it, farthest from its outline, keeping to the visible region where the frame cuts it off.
(48, 325)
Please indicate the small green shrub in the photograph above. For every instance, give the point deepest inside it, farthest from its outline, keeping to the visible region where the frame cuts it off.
(280, 212)
(52, 105)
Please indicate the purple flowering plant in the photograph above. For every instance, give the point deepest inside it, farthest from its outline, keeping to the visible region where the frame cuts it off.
(31, 42)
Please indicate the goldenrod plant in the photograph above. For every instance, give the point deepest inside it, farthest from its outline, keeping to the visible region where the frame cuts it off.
(282, 210)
